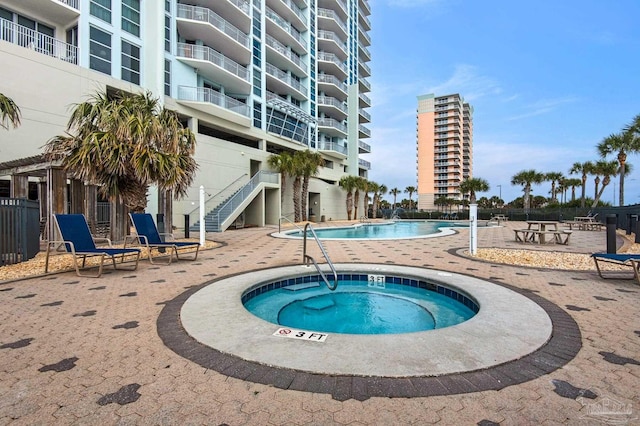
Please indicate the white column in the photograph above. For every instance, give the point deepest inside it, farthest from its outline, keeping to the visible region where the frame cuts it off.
(473, 229)
(202, 213)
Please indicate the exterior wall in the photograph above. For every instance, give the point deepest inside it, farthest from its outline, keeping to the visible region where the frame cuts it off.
(54, 86)
(426, 152)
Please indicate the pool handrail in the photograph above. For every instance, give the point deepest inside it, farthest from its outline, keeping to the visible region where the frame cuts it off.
(306, 258)
(288, 220)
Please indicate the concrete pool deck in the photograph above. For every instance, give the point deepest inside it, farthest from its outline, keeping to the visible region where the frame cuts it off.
(87, 350)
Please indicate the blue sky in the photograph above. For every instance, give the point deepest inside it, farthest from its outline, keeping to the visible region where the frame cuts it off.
(548, 80)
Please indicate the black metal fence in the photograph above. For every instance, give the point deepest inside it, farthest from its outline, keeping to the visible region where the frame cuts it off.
(19, 230)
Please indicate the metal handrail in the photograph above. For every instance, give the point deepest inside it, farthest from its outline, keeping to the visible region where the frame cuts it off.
(217, 194)
(288, 220)
(306, 258)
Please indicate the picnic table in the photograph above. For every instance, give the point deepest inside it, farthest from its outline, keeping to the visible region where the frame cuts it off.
(538, 230)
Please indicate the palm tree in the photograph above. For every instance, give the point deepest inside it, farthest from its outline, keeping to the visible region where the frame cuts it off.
(124, 143)
(348, 183)
(382, 189)
(361, 185)
(309, 163)
(374, 188)
(584, 169)
(471, 186)
(572, 183)
(394, 192)
(367, 186)
(606, 169)
(622, 143)
(526, 178)
(283, 164)
(553, 177)
(410, 190)
(9, 113)
(440, 201)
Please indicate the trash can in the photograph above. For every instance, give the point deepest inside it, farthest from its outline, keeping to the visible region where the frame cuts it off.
(322, 219)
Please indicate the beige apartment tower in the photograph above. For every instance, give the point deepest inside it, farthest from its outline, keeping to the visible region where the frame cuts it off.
(444, 147)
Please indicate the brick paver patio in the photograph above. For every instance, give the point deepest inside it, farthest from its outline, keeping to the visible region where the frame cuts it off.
(87, 350)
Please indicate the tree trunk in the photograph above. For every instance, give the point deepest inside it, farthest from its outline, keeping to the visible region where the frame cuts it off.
(296, 199)
(304, 198)
(349, 205)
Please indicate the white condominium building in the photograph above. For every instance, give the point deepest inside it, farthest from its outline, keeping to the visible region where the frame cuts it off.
(250, 78)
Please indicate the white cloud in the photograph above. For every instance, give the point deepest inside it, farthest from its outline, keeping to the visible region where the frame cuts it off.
(467, 81)
(542, 107)
(411, 3)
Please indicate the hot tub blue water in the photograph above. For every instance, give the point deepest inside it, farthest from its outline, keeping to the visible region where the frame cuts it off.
(404, 229)
(360, 305)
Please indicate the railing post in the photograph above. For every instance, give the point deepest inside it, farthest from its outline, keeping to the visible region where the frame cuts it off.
(611, 221)
(186, 226)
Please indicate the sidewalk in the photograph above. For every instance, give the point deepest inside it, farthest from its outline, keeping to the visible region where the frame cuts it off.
(87, 351)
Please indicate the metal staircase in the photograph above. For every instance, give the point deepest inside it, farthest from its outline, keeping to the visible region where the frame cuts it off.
(227, 211)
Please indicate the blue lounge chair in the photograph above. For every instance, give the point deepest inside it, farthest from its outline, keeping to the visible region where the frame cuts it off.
(623, 259)
(148, 236)
(77, 240)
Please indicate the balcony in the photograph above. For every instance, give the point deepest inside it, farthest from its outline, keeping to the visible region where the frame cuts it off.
(38, 42)
(280, 82)
(236, 12)
(332, 127)
(283, 57)
(363, 101)
(364, 22)
(283, 31)
(331, 86)
(290, 12)
(363, 52)
(332, 107)
(365, 86)
(364, 148)
(329, 20)
(333, 149)
(328, 41)
(363, 132)
(61, 12)
(364, 7)
(364, 37)
(364, 69)
(338, 5)
(215, 103)
(364, 115)
(364, 164)
(215, 66)
(331, 64)
(199, 23)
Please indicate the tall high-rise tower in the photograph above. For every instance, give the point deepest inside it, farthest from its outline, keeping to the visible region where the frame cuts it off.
(444, 147)
(251, 78)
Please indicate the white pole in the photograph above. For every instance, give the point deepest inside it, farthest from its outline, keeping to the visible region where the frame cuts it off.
(202, 224)
(473, 229)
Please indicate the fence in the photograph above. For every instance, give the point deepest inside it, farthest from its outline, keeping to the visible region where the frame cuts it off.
(19, 230)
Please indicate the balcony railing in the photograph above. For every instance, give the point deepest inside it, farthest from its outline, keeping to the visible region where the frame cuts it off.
(365, 98)
(365, 67)
(328, 100)
(364, 130)
(285, 51)
(286, 78)
(330, 57)
(365, 36)
(332, 79)
(364, 50)
(296, 10)
(206, 53)
(282, 23)
(42, 43)
(242, 5)
(365, 114)
(364, 146)
(331, 122)
(332, 146)
(70, 3)
(202, 14)
(364, 164)
(330, 35)
(365, 83)
(204, 94)
(328, 13)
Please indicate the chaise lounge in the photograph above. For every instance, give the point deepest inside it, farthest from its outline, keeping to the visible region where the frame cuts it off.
(623, 259)
(147, 235)
(77, 240)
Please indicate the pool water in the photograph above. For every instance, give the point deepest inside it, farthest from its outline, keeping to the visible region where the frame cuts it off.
(404, 229)
(357, 307)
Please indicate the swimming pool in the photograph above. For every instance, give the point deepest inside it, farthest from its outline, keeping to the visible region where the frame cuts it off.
(386, 230)
(362, 304)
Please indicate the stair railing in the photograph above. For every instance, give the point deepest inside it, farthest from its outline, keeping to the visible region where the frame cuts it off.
(307, 258)
(194, 215)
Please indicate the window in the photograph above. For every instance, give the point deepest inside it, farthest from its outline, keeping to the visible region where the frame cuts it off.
(167, 5)
(99, 50)
(167, 77)
(257, 115)
(130, 62)
(101, 9)
(131, 16)
(257, 54)
(167, 33)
